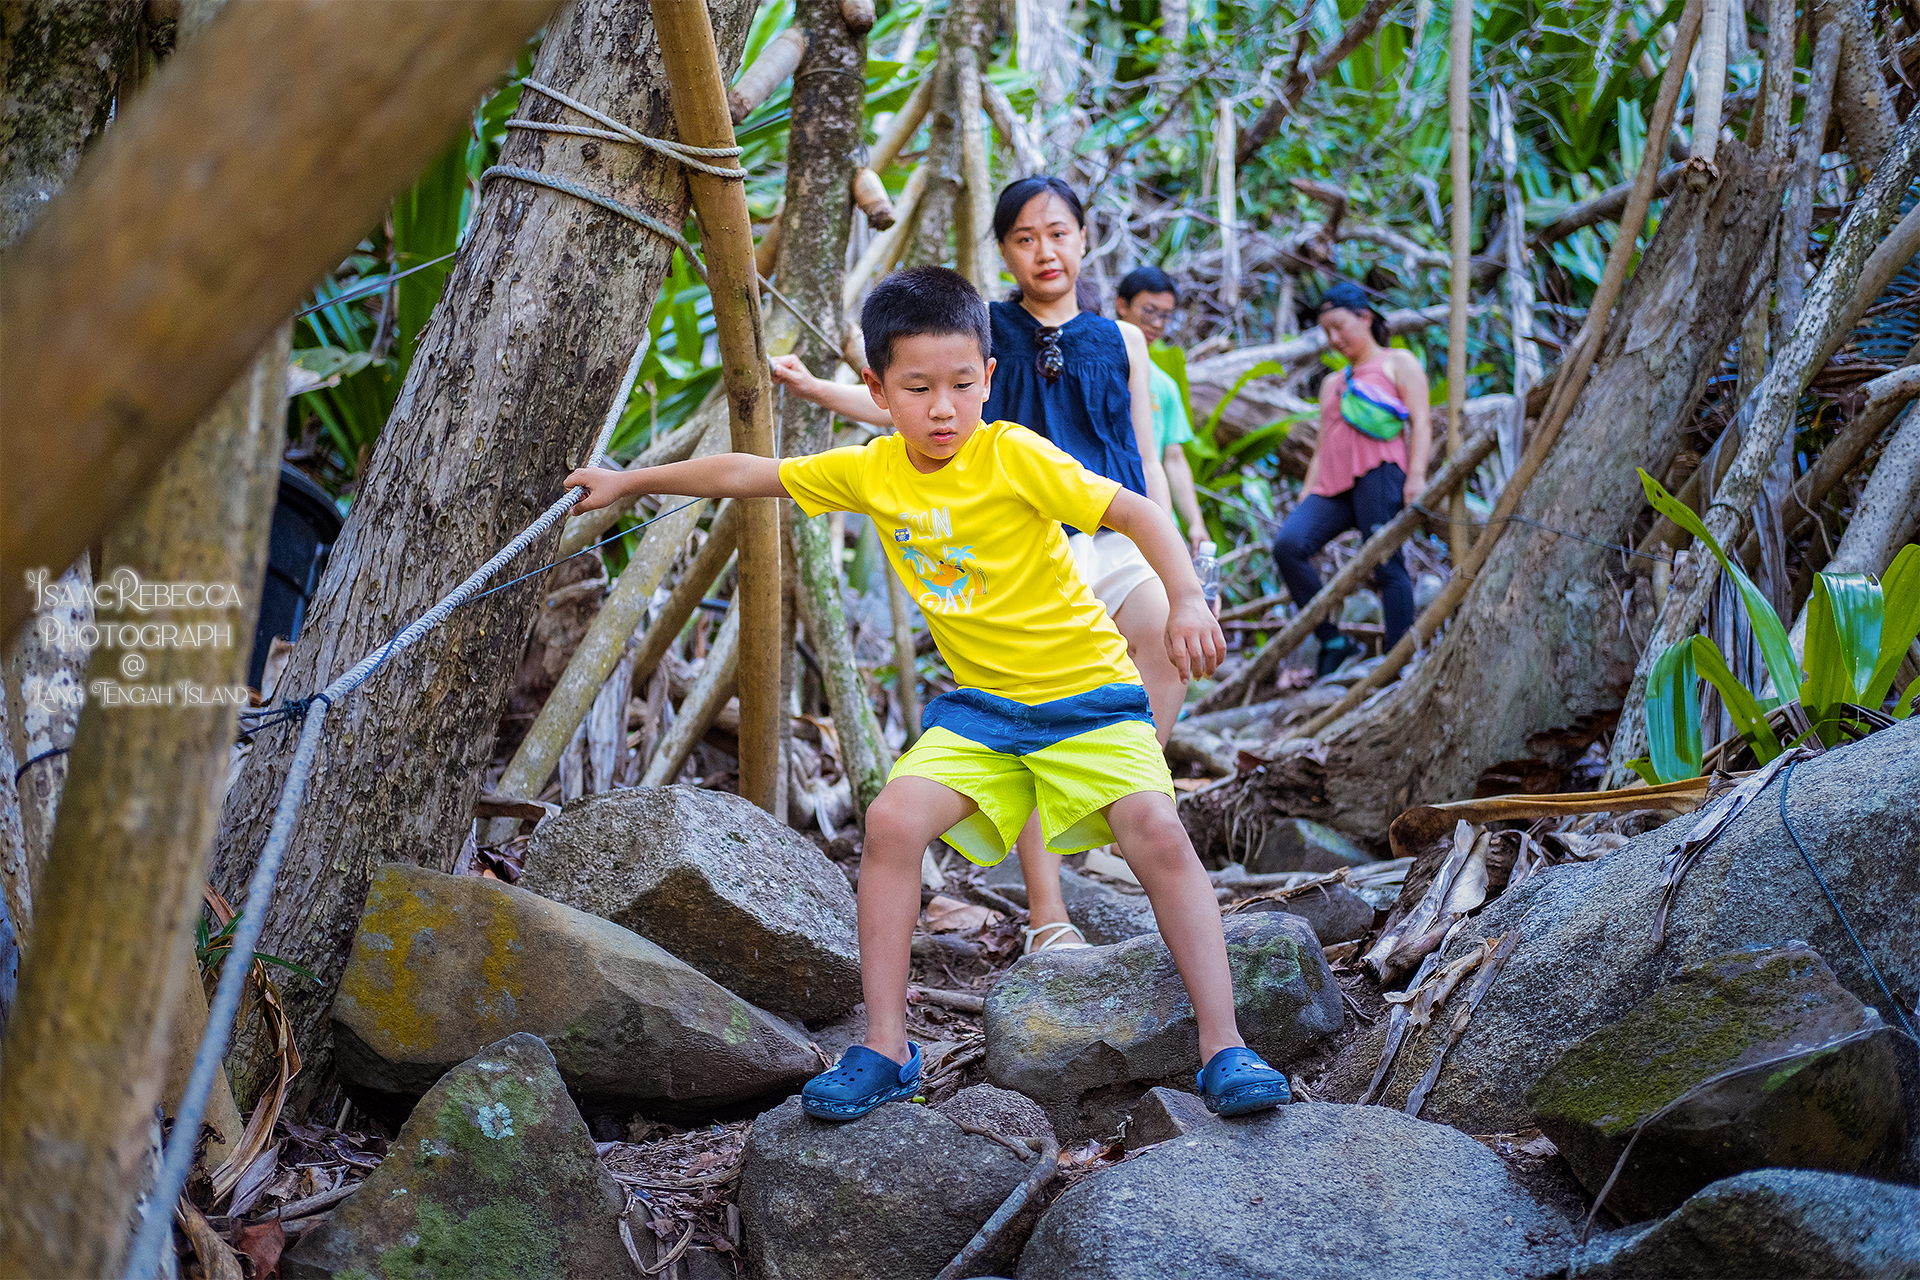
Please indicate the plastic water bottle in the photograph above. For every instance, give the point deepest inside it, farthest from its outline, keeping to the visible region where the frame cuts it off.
(1207, 569)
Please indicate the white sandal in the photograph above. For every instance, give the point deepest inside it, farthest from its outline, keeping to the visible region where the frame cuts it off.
(1054, 943)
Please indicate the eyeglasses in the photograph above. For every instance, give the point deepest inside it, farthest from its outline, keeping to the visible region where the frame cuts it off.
(1154, 315)
(1049, 361)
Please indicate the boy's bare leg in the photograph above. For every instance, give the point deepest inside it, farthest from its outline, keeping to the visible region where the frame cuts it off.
(1142, 620)
(907, 816)
(1156, 847)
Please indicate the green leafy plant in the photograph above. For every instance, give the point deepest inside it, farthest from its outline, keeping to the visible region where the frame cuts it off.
(1858, 629)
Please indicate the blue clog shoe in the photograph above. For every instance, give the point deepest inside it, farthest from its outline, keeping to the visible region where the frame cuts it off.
(863, 1080)
(1238, 1081)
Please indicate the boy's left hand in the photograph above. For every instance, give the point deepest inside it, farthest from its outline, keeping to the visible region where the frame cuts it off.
(602, 486)
(1195, 644)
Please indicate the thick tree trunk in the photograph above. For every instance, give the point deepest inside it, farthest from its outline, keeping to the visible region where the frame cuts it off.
(60, 65)
(85, 1055)
(506, 391)
(1539, 641)
(130, 309)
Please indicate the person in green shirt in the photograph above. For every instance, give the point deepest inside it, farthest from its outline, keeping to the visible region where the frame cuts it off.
(1146, 298)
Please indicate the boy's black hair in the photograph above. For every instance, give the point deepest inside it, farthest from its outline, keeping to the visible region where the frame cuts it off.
(1015, 195)
(1146, 280)
(919, 300)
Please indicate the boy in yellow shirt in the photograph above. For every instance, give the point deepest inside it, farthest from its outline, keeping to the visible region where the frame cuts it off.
(1050, 712)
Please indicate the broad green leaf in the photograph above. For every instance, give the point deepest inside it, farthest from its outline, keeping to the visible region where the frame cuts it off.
(1266, 368)
(1904, 707)
(1644, 767)
(1748, 719)
(1673, 715)
(1767, 628)
(1899, 623)
(1843, 640)
(1173, 362)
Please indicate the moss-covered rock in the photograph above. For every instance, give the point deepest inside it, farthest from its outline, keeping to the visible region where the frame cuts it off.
(1770, 1222)
(493, 1177)
(444, 965)
(744, 899)
(1085, 1033)
(1839, 1109)
(894, 1194)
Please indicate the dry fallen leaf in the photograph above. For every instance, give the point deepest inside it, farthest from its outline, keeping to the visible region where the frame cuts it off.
(950, 915)
(262, 1245)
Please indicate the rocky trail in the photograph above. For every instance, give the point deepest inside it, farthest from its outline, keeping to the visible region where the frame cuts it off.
(591, 1072)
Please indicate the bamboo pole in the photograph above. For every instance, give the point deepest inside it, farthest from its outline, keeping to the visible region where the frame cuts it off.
(1709, 90)
(1526, 356)
(84, 1056)
(700, 110)
(599, 651)
(1776, 86)
(140, 297)
(1858, 264)
(775, 63)
(1570, 381)
(1388, 537)
(885, 249)
(582, 531)
(723, 539)
(862, 748)
(1013, 130)
(1227, 198)
(900, 130)
(710, 691)
(1459, 147)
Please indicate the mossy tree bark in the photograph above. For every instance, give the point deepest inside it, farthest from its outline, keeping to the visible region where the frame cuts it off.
(1541, 639)
(828, 110)
(507, 390)
(85, 1054)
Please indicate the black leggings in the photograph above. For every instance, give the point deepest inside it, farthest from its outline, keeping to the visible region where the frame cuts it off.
(1375, 498)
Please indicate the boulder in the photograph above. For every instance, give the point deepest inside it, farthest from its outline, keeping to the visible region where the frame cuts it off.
(1085, 1033)
(896, 1193)
(494, 1174)
(1295, 844)
(1103, 914)
(445, 965)
(1769, 1222)
(982, 1106)
(1334, 912)
(744, 899)
(1312, 1191)
(1588, 956)
(1839, 1111)
(1162, 1115)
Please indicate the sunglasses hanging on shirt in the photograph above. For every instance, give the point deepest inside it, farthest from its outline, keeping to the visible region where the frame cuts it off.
(1049, 361)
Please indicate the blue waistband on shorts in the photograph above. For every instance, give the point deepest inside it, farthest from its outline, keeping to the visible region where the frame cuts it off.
(1018, 729)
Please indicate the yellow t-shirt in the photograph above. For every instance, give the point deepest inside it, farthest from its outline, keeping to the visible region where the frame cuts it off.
(979, 546)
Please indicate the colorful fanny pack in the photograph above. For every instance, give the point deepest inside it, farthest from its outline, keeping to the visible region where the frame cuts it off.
(1377, 418)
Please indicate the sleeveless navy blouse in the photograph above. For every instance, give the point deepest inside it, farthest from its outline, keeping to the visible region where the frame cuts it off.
(1088, 411)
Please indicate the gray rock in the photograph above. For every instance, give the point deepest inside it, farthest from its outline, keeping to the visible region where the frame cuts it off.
(1839, 1111)
(1002, 1110)
(1103, 914)
(1335, 912)
(1084, 1033)
(1312, 1191)
(1162, 1115)
(1426, 589)
(1588, 957)
(1770, 1222)
(1296, 844)
(494, 1174)
(746, 900)
(895, 1193)
(446, 965)
(1361, 607)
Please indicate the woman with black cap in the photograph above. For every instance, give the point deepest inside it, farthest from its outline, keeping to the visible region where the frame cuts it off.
(1368, 464)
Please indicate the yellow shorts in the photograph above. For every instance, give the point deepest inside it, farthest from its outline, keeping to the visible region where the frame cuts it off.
(1071, 783)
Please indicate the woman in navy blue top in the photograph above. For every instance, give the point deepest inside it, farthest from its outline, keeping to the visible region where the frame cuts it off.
(1081, 380)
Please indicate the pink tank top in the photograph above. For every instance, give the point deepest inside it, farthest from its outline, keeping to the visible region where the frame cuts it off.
(1347, 454)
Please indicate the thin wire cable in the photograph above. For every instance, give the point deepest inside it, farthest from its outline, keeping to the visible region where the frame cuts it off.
(372, 286)
(787, 302)
(156, 1230)
(1898, 1013)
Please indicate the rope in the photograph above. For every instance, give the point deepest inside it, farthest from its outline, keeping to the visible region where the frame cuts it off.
(156, 1231)
(608, 203)
(48, 754)
(691, 156)
(1899, 1015)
